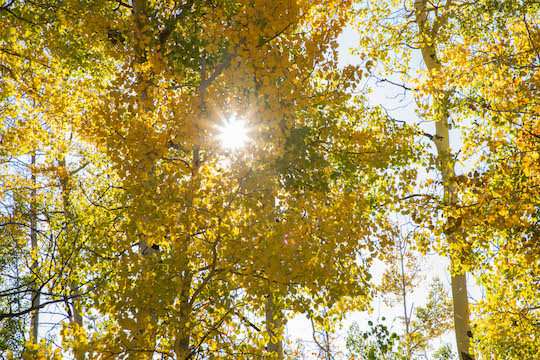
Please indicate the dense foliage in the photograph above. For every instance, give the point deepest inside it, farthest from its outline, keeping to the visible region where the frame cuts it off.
(122, 210)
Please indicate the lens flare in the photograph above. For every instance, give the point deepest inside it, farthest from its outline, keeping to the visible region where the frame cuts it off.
(233, 134)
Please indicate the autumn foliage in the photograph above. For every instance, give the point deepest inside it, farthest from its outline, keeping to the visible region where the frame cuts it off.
(122, 208)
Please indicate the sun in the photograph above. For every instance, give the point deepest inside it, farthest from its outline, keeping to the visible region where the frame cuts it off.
(233, 133)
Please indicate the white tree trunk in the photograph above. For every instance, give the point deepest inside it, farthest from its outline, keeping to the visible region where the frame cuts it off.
(446, 167)
(36, 293)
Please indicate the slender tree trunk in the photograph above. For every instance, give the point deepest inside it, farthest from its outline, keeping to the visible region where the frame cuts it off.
(273, 326)
(404, 295)
(182, 341)
(273, 315)
(36, 293)
(76, 316)
(148, 251)
(328, 354)
(446, 166)
(461, 314)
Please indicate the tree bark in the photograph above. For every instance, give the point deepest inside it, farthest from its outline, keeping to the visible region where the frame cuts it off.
(76, 316)
(273, 315)
(402, 249)
(182, 340)
(273, 326)
(447, 170)
(150, 253)
(36, 293)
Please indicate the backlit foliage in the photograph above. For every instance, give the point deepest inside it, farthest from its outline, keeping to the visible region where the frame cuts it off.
(119, 202)
(170, 243)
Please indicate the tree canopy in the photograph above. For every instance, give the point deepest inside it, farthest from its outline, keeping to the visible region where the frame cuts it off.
(123, 209)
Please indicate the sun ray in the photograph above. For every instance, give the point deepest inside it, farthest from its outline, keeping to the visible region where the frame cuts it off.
(233, 133)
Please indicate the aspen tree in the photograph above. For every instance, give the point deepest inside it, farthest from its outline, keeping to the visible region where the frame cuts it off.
(493, 71)
(421, 25)
(70, 229)
(36, 291)
(446, 163)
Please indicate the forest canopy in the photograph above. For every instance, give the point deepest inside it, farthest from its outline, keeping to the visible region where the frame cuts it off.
(179, 179)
